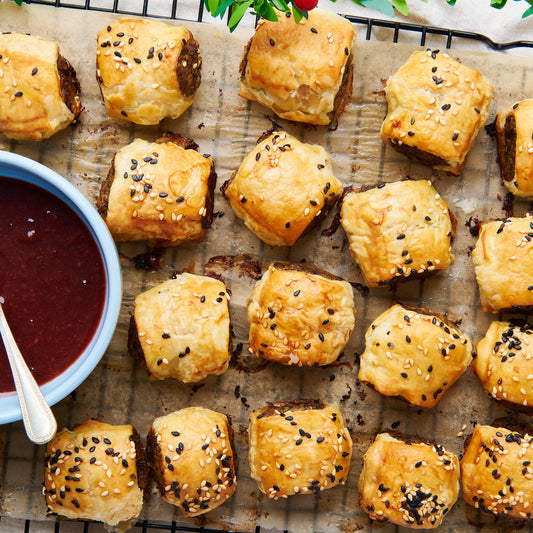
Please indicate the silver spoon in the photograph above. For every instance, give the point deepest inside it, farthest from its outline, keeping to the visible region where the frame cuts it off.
(39, 421)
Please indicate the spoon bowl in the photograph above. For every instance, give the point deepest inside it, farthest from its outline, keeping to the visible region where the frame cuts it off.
(39, 421)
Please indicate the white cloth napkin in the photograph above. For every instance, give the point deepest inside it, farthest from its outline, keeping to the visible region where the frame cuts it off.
(477, 16)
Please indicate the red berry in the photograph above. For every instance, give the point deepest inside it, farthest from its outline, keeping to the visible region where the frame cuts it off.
(305, 5)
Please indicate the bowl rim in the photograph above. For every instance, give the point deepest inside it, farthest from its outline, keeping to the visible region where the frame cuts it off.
(19, 167)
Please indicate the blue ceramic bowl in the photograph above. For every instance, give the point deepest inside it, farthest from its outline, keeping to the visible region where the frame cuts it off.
(22, 168)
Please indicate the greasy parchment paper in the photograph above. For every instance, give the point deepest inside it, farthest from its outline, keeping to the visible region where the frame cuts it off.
(227, 126)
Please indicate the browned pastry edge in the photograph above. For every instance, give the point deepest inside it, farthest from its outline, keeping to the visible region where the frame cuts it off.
(69, 86)
(183, 142)
(134, 344)
(420, 156)
(527, 409)
(207, 219)
(189, 78)
(506, 141)
(302, 404)
(306, 268)
(344, 93)
(102, 203)
(153, 451)
(244, 60)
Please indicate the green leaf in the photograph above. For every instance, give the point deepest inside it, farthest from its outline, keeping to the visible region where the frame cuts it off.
(381, 5)
(281, 5)
(267, 12)
(401, 6)
(221, 9)
(211, 5)
(528, 12)
(297, 14)
(18, 2)
(358, 2)
(451, 2)
(237, 14)
(498, 4)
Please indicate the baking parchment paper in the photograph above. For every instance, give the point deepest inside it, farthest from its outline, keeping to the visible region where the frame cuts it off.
(227, 126)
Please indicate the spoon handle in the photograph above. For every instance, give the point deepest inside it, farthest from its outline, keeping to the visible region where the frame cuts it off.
(38, 418)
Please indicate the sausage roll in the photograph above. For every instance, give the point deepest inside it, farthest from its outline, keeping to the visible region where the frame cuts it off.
(181, 328)
(283, 188)
(300, 315)
(398, 230)
(191, 459)
(414, 354)
(409, 483)
(303, 71)
(96, 471)
(147, 70)
(39, 91)
(496, 472)
(436, 108)
(514, 130)
(300, 446)
(504, 364)
(160, 192)
(504, 270)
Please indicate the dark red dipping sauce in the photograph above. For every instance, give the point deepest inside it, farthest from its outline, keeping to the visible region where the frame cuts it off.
(52, 279)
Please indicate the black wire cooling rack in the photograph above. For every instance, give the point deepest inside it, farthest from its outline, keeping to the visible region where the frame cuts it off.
(395, 32)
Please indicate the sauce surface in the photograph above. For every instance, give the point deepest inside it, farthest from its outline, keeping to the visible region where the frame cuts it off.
(52, 279)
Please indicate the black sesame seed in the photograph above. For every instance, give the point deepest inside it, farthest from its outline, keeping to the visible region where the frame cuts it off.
(137, 60)
(445, 107)
(314, 30)
(401, 236)
(166, 335)
(321, 337)
(346, 51)
(34, 71)
(404, 375)
(19, 93)
(180, 199)
(160, 56)
(298, 442)
(410, 133)
(258, 156)
(288, 225)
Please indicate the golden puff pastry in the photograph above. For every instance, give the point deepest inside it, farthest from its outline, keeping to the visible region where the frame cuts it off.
(303, 71)
(181, 328)
(514, 130)
(283, 188)
(409, 483)
(504, 270)
(96, 471)
(300, 315)
(298, 447)
(160, 192)
(147, 70)
(415, 354)
(436, 108)
(191, 459)
(504, 364)
(398, 230)
(496, 471)
(39, 91)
